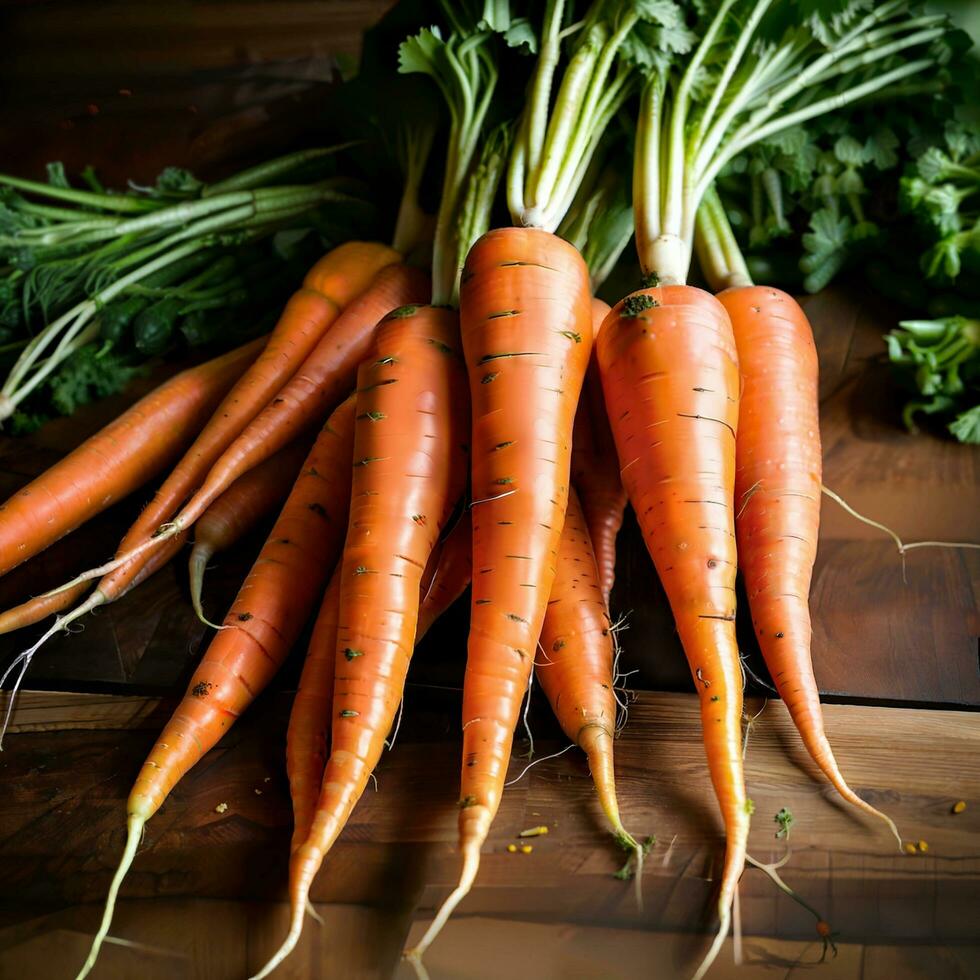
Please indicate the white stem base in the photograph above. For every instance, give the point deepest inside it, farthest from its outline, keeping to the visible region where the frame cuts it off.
(668, 257)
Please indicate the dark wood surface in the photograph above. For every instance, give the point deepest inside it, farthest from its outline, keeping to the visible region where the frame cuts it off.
(64, 827)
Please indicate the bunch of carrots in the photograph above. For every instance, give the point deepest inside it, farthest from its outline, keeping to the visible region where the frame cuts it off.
(487, 419)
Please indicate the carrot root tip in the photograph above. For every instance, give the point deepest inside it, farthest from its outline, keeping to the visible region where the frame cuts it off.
(134, 835)
(471, 865)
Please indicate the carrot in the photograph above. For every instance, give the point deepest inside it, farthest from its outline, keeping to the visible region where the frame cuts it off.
(575, 666)
(670, 376)
(451, 575)
(116, 460)
(409, 472)
(526, 322)
(525, 313)
(239, 509)
(595, 468)
(258, 632)
(778, 478)
(309, 720)
(319, 382)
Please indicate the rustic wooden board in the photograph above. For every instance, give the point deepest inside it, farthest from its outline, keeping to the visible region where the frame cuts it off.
(63, 823)
(208, 939)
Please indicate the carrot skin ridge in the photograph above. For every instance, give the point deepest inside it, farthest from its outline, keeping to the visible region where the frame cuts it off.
(265, 618)
(778, 478)
(410, 462)
(595, 467)
(240, 508)
(116, 460)
(575, 662)
(670, 376)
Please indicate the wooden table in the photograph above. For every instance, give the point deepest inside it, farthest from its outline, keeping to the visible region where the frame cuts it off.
(132, 88)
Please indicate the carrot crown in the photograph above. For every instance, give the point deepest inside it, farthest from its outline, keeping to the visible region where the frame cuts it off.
(760, 67)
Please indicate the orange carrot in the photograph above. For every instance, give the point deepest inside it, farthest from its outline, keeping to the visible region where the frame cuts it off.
(409, 472)
(595, 468)
(670, 377)
(575, 665)
(451, 575)
(777, 498)
(309, 720)
(525, 313)
(239, 509)
(258, 632)
(116, 460)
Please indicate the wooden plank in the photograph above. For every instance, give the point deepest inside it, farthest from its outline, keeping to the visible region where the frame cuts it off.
(56, 711)
(64, 823)
(196, 939)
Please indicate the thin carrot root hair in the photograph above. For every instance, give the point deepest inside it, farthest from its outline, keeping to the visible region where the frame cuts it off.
(721, 935)
(163, 533)
(902, 547)
(24, 658)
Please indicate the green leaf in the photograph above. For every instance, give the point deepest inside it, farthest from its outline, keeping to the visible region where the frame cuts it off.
(880, 148)
(177, 180)
(422, 53)
(966, 425)
(86, 376)
(850, 152)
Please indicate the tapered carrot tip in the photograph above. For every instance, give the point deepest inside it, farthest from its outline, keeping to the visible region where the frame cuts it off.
(471, 865)
(197, 564)
(134, 834)
(719, 941)
(303, 866)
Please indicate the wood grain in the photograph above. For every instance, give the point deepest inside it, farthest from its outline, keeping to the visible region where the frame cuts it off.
(63, 823)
